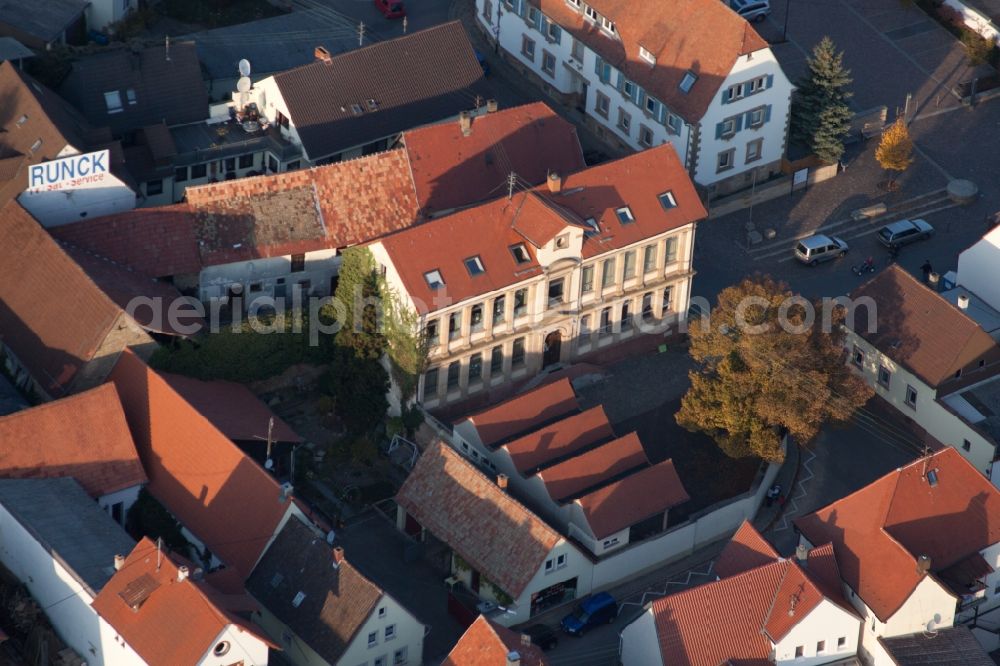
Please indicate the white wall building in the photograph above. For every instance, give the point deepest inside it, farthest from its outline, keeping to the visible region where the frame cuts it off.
(73, 187)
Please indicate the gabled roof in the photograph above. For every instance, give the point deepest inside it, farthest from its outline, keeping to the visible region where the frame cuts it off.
(558, 440)
(954, 646)
(69, 525)
(165, 620)
(746, 550)
(452, 168)
(574, 476)
(532, 218)
(702, 36)
(642, 495)
(43, 21)
(918, 328)
(486, 643)
(227, 501)
(880, 531)
(337, 599)
(487, 527)
(84, 436)
(525, 413)
(420, 78)
(52, 315)
(232, 408)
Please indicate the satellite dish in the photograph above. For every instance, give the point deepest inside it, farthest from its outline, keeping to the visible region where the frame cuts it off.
(268, 464)
(243, 85)
(244, 67)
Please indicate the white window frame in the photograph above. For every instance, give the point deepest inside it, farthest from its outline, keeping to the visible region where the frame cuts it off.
(575, 4)
(546, 56)
(912, 404)
(372, 639)
(590, 13)
(754, 115)
(602, 105)
(690, 78)
(608, 25)
(646, 136)
(624, 121)
(390, 632)
(647, 55)
(725, 160)
(528, 47)
(626, 213)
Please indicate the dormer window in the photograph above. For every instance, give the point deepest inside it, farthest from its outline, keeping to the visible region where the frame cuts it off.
(625, 215)
(591, 13)
(688, 81)
(520, 253)
(475, 266)
(607, 24)
(667, 200)
(434, 279)
(647, 56)
(575, 4)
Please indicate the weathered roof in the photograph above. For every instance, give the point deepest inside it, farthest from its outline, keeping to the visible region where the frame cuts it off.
(420, 78)
(954, 646)
(558, 440)
(879, 531)
(44, 21)
(746, 550)
(69, 525)
(165, 620)
(338, 599)
(574, 476)
(703, 36)
(917, 328)
(525, 413)
(491, 530)
(486, 643)
(84, 436)
(452, 168)
(641, 495)
(154, 86)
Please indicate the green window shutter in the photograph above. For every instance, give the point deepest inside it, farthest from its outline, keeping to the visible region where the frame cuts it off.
(739, 123)
(556, 33)
(599, 67)
(719, 128)
(767, 113)
(621, 81)
(770, 81)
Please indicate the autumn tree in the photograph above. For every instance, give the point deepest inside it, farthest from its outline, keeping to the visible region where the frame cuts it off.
(765, 369)
(821, 117)
(895, 149)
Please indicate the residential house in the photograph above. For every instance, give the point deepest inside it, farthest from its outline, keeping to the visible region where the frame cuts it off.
(918, 550)
(162, 612)
(570, 467)
(586, 261)
(42, 25)
(322, 610)
(54, 345)
(63, 548)
(486, 643)
(763, 609)
(84, 437)
(977, 269)
(515, 563)
(955, 646)
(690, 73)
(358, 103)
(229, 507)
(931, 359)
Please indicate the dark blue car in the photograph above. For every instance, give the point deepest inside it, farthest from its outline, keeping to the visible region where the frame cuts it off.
(600, 608)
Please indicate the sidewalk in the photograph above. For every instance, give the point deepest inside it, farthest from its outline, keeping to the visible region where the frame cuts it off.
(787, 476)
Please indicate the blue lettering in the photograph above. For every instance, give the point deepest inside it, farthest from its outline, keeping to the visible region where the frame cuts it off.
(67, 170)
(37, 175)
(84, 167)
(52, 171)
(99, 164)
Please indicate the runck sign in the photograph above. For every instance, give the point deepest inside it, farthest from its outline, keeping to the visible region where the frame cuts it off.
(70, 173)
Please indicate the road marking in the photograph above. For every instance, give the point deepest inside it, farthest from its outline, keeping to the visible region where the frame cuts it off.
(793, 503)
(656, 594)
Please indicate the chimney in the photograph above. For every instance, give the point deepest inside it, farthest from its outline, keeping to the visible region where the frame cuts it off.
(322, 54)
(923, 564)
(465, 122)
(513, 658)
(338, 556)
(555, 182)
(182, 573)
(802, 554)
(491, 106)
(963, 301)
(502, 481)
(934, 280)
(119, 562)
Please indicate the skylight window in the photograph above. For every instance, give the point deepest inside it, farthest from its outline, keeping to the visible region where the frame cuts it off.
(36, 145)
(356, 109)
(688, 81)
(434, 279)
(647, 56)
(625, 215)
(667, 200)
(113, 100)
(299, 598)
(372, 105)
(520, 253)
(592, 228)
(475, 266)
(22, 120)
(130, 96)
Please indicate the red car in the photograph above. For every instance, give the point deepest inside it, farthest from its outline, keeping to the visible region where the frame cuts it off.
(391, 8)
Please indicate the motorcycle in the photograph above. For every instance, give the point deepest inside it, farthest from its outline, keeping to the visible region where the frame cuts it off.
(867, 266)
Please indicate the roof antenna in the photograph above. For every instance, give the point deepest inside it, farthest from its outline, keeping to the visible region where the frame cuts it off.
(167, 42)
(268, 462)
(159, 552)
(511, 182)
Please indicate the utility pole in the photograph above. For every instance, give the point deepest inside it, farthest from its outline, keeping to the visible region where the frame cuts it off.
(361, 34)
(511, 182)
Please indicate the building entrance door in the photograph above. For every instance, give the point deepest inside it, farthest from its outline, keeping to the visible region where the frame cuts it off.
(553, 348)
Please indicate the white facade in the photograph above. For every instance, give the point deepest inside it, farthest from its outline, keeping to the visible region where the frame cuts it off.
(264, 280)
(638, 644)
(235, 646)
(625, 114)
(979, 269)
(826, 634)
(118, 503)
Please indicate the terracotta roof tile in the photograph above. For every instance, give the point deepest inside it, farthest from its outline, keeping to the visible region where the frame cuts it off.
(823, 570)
(556, 441)
(452, 169)
(746, 550)
(575, 476)
(639, 496)
(525, 413)
(879, 531)
(918, 328)
(493, 532)
(84, 436)
(214, 489)
(795, 596)
(486, 643)
(174, 622)
(704, 36)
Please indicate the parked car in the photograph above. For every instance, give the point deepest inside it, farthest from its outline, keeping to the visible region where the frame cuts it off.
(600, 608)
(391, 8)
(819, 247)
(904, 232)
(751, 10)
(542, 636)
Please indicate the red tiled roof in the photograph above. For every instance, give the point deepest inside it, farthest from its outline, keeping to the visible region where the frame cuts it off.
(918, 328)
(746, 550)
(559, 440)
(580, 473)
(825, 573)
(487, 527)
(443, 244)
(704, 36)
(879, 531)
(232, 408)
(486, 643)
(84, 436)
(525, 413)
(214, 489)
(52, 316)
(637, 497)
(176, 622)
(451, 169)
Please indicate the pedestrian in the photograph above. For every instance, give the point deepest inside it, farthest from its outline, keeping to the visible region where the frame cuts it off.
(927, 269)
(893, 253)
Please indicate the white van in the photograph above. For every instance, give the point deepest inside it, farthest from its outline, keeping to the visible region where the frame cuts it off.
(754, 11)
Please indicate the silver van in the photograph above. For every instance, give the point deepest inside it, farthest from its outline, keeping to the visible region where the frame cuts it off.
(754, 11)
(819, 248)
